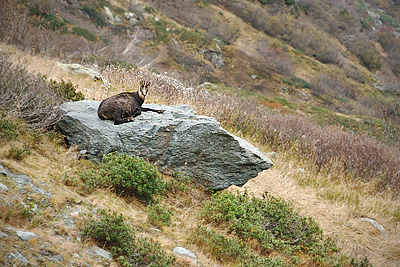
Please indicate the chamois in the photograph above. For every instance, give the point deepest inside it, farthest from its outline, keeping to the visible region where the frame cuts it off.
(123, 107)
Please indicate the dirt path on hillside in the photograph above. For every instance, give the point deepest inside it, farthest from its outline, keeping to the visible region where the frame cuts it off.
(357, 238)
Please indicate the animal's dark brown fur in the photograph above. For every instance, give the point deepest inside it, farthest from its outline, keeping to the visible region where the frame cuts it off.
(123, 107)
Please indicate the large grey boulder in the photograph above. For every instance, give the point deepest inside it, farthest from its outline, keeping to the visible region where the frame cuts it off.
(176, 141)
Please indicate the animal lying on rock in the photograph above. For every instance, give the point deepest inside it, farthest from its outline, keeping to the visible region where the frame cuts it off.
(123, 107)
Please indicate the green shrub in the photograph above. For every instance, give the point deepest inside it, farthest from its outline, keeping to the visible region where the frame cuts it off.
(48, 20)
(371, 59)
(159, 215)
(271, 222)
(284, 102)
(88, 35)
(230, 249)
(19, 152)
(93, 13)
(179, 183)
(298, 82)
(289, 2)
(67, 90)
(264, 2)
(128, 175)
(8, 129)
(161, 32)
(110, 231)
(219, 246)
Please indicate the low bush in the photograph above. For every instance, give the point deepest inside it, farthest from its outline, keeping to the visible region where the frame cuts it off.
(297, 82)
(270, 221)
(27, 96)
(159, 215)
(127, 175)
(48, 20)
(8, 129)
(230, 249)
(109, 230)
(94, 14)
(266, 225)
(333, 85)
(67, 90)
(88, 35)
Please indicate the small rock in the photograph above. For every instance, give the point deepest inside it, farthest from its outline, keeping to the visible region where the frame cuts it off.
(3, 170)
(79, 69)
(3, 235)
(3, 187)
(185, 252)
(376, 225)
(19, 257)
(59, 257)
(101, 252)
(272, 155)
(26, 235)
(302, 170)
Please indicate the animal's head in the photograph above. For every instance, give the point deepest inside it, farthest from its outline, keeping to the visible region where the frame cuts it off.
(144, 89)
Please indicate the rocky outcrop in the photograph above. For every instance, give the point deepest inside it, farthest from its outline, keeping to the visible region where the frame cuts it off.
(215, 56)
(177, 141)
(79, 69)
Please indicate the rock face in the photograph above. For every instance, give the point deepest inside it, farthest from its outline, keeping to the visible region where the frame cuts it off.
(177, 141)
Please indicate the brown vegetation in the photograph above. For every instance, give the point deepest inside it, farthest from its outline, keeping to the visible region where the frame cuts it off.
(27, 96)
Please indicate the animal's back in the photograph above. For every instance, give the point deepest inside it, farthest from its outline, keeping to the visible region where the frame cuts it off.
(120, 103)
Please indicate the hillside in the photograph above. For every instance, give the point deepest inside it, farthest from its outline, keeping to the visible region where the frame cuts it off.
(315, 84)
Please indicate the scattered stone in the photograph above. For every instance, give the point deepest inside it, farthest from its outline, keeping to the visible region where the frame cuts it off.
(101, 252)
(18, 256)
(59, 257)
(177, 141)
(111, 18)
(377, 226)
(3, 187)
(24, 182)
(302, 170)
(3, 235)
(216, 57)
(26, 236)
(79, 69)
(181, 251)
(132, 18)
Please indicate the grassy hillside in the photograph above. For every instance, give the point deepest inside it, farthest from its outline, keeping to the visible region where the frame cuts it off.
(313, 83)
